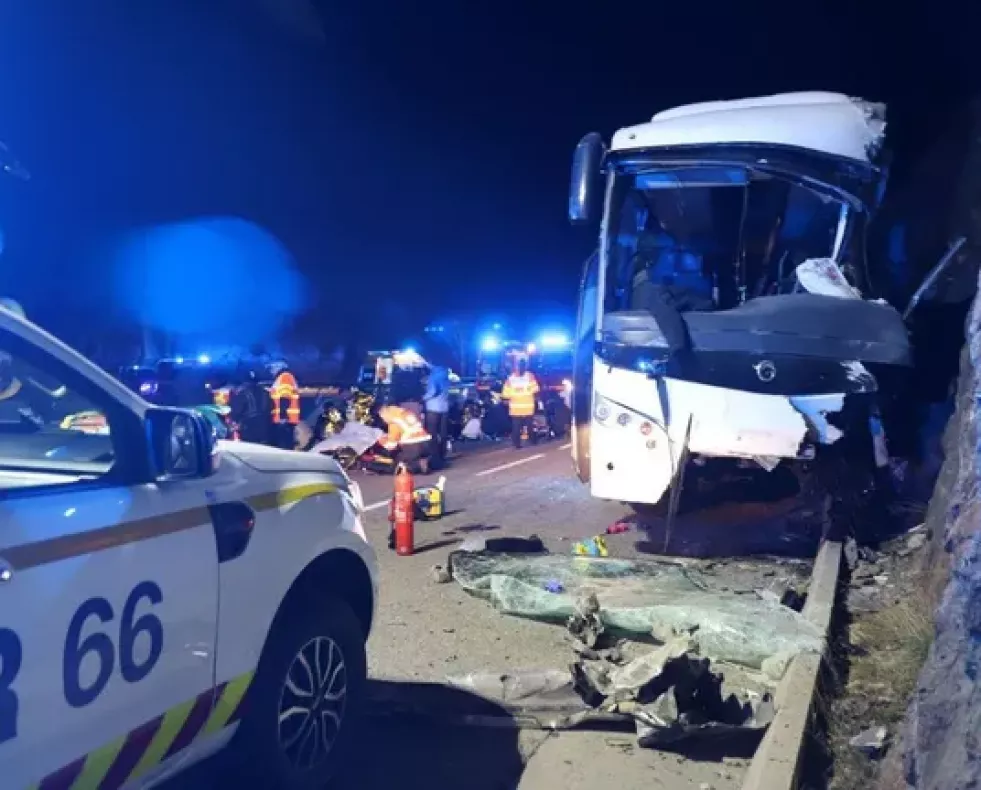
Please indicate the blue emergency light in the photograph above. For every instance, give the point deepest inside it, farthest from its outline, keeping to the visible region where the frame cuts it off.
(555, 340)
(490, 343)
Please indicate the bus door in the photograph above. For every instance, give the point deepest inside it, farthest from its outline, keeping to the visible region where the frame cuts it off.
(582, 367)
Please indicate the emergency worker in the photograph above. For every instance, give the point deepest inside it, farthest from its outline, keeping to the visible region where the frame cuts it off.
(285, 394)
(251, 408)
(406, 440)
(437, 403)
(521, 392)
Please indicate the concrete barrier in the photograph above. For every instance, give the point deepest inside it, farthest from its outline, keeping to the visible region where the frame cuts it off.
(777, 760)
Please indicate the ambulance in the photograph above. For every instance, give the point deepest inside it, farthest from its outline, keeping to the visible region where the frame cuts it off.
(166, 597)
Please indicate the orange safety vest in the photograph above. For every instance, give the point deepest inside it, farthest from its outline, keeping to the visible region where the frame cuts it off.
(285, 388)
(404, 427)
(520, 391)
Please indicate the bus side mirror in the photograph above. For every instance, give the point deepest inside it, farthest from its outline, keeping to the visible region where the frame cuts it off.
(584, 190)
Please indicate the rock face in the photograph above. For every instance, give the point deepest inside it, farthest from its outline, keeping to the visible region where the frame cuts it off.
(942, 735)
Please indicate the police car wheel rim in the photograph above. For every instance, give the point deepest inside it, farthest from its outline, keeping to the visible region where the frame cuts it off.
(312, 703)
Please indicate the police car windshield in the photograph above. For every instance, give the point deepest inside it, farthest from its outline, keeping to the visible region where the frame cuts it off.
(46, 427)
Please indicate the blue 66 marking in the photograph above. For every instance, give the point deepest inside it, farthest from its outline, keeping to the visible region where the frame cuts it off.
(11, 657)
(98, 646)
(76, 649)
(129, 629)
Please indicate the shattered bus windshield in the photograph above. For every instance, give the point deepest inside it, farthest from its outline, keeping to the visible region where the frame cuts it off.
(713, 237)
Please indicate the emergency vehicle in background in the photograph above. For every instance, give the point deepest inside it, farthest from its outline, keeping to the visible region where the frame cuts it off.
(549, 358)
(383, 368)
(497, 359)
(165, 596)
(206, 386)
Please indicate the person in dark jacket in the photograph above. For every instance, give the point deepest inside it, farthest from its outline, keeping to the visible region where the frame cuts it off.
(251, 408)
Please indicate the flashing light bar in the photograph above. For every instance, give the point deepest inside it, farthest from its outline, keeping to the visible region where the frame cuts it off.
(555, 340)
(490, 343)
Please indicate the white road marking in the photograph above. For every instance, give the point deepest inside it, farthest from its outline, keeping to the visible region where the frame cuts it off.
(492, 470)
(511, 465)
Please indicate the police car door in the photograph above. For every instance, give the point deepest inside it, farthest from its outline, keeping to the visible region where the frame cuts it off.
(108, 584)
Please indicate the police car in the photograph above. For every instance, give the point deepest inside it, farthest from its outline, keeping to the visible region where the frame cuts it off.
(165, 597)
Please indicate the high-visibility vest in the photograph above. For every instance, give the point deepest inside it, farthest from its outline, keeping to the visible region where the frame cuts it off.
(285, 388)
(520, 391)
(404, 427)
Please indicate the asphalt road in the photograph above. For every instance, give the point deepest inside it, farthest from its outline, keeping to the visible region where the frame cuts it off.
(425, 631)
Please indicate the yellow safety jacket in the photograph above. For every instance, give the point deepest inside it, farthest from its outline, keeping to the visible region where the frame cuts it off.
(285, 388)
(404, 427)
(521, 391)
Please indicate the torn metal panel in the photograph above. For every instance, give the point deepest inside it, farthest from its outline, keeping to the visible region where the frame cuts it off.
(858, 374)
(815, 410)
(635, 446)
(668, 695)
(824, 276)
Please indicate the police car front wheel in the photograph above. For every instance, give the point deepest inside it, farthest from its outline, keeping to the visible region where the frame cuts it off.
(308, 687)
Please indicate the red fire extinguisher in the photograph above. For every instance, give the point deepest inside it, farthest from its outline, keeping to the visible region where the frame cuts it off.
(403, 514)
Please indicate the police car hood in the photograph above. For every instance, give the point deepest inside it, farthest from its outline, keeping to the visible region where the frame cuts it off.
(271, 459)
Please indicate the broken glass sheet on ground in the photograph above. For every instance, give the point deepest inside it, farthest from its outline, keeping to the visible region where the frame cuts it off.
(639, 599)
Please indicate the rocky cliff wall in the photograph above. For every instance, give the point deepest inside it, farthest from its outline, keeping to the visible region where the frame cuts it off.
(941, 743)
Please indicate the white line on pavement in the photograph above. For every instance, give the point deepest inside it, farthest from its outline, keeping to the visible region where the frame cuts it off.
(492, 470)
(511, 465)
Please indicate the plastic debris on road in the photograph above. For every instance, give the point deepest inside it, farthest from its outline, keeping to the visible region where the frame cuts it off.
(591, 547)
(354, 435)
(640, 598)
(668, 695)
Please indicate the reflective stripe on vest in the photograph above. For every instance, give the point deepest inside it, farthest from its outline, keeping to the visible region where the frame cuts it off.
(520, 392)
(285, 388)
(409, 428)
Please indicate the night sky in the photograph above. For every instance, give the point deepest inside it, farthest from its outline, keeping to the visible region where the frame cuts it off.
(395, 148)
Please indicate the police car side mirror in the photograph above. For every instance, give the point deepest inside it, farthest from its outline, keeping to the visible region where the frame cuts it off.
(181, 444)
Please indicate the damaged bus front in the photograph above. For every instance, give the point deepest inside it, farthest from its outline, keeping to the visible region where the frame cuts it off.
(723, 315)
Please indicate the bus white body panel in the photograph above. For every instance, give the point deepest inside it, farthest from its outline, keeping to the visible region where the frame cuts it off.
(634, 450)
